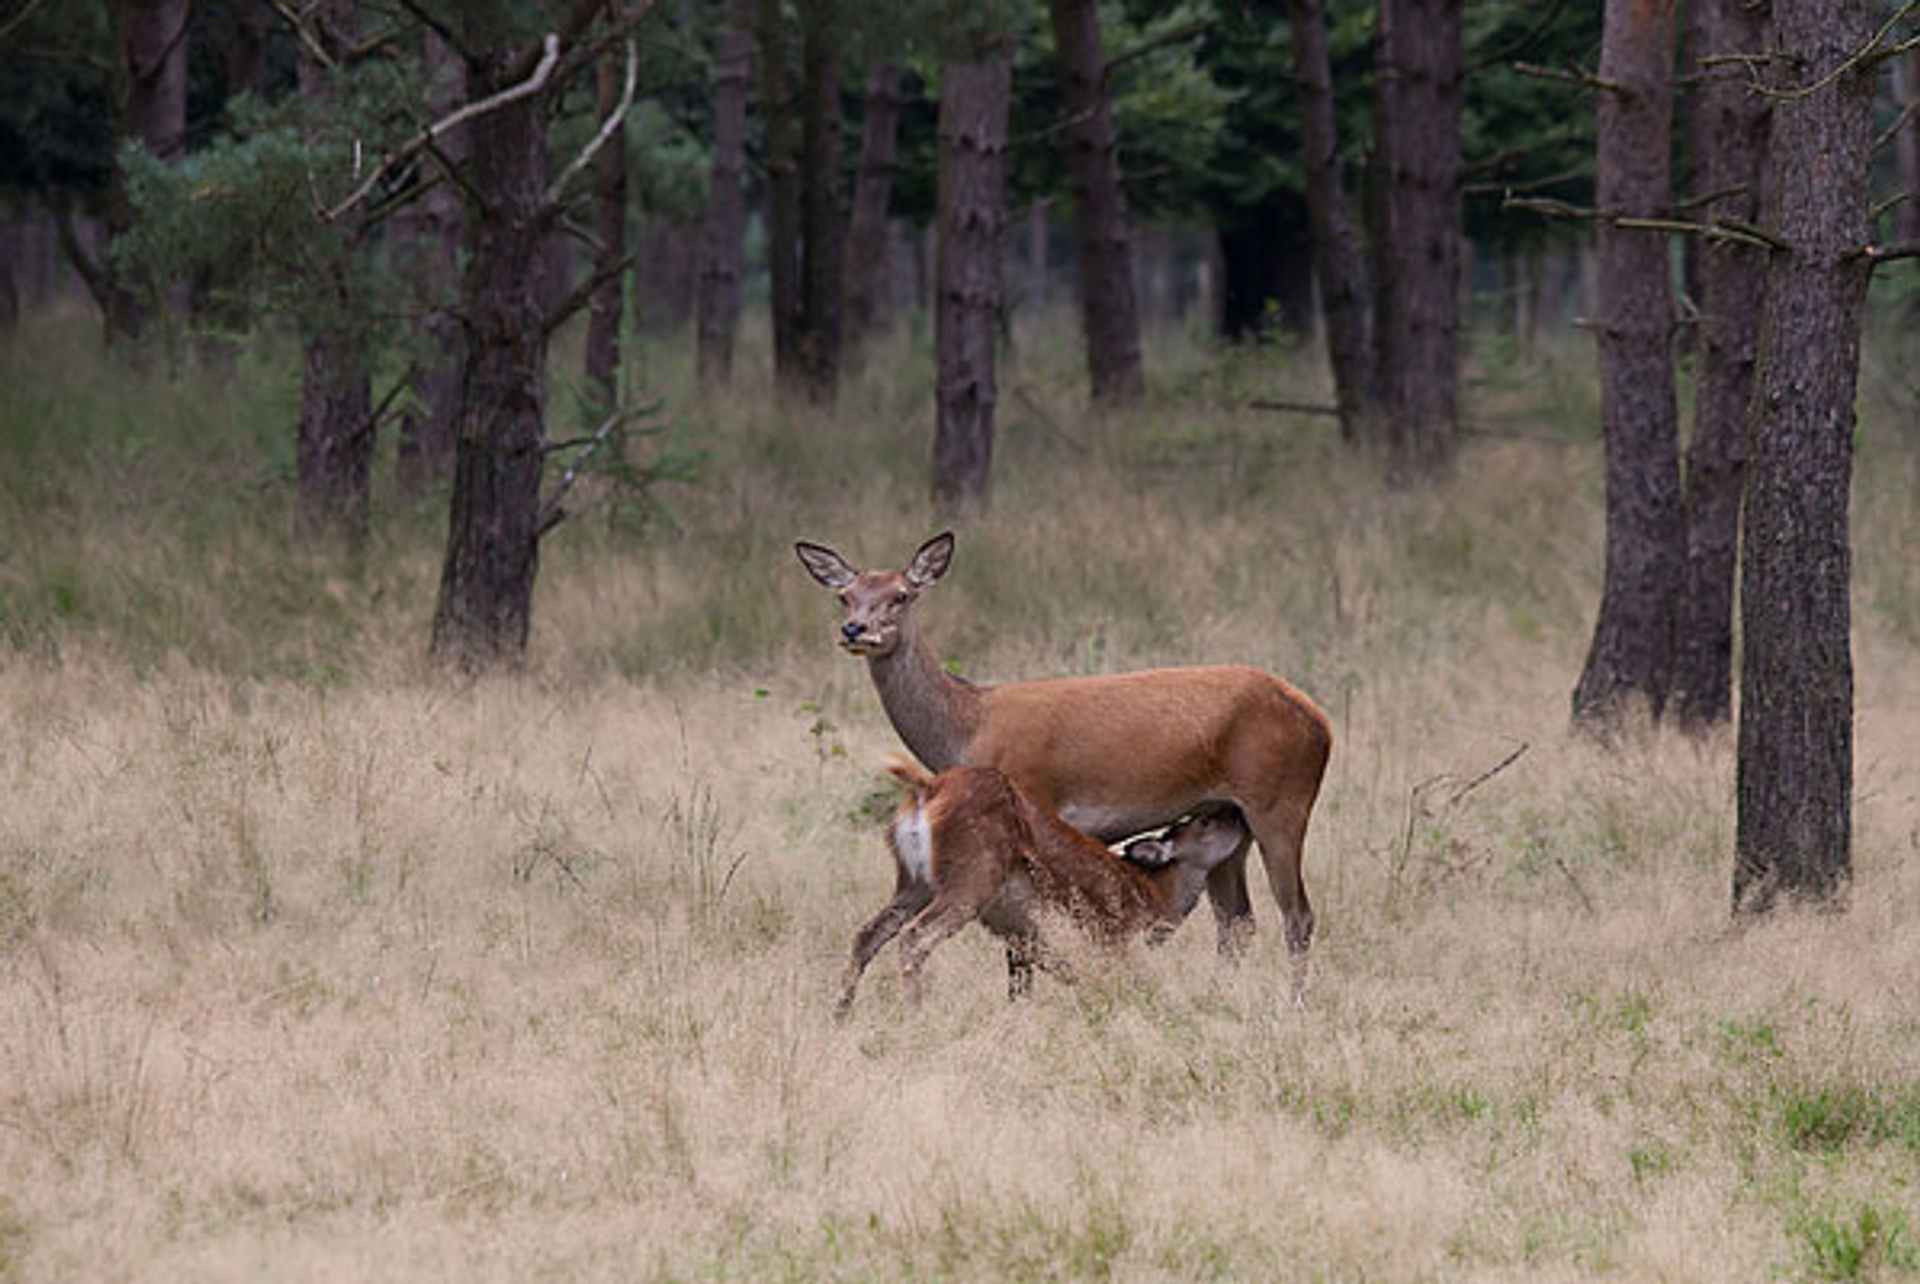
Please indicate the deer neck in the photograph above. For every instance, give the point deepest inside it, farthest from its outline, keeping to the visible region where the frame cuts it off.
(935, 713)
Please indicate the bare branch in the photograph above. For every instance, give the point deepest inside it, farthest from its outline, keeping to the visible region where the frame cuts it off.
(14, 22)
(439, 28)
(608, 127)
(1575, 75)
(583, 295)
(1870, 54)
(1728, 230)
(1878, 254)
(1172, 36)
(551, 513)
(428, 136)
(1454, 798)
(1513, 48)
(1900, 122)
(1523, 185)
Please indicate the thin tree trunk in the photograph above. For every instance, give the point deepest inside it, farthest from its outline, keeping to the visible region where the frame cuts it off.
(972, 215)
(1728, 125)
(334, 447)
(608, 306)
(1417, 263)
(1631, 657)
(1337, 256)
(783, 195)
(717, 301)
(1108, 310)
(493, 535)
(1795, 771)
(822, 227)
(866, 258)
(432, 230)
(150, 39)
(1906, 144)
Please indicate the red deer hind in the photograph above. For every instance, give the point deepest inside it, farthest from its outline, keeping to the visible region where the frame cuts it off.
(1113, 754)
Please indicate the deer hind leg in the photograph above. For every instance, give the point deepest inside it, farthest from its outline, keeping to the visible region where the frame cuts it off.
(909, 898)
(935, 924)
(1232, 907)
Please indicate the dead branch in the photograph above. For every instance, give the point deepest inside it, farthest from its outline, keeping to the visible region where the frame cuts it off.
(583, 294)
(1454, 798)
(608, 127)
(1729, 230)
(1574, 75)
(1878, 254)
(1515, 47)
(1172, 36)
(1900, 122)
(533, 84)
(551, 513)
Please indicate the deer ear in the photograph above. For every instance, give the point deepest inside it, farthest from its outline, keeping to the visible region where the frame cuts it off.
(825, 565)
(932, 560)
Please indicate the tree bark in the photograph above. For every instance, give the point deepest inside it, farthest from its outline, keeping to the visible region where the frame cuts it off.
(866, 258)
(150, 42)
(1795, 770)
(822, 227)
(608, 305)
(431, 231)
(493, 535)
(783, 195)
(1417, 249)
(972, 216)
(1728, 127)
(1109, 313)
(334, 447)
(1337, 256)
(1631, 656)
(717, 300)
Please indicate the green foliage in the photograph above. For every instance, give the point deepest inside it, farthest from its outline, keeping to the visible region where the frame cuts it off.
(56, 97)
(1862, 1243)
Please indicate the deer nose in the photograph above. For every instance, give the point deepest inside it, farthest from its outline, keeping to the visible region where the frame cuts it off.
(850, 630)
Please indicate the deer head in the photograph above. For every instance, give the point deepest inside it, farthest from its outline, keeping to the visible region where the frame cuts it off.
(876, 602)
(1202, 840)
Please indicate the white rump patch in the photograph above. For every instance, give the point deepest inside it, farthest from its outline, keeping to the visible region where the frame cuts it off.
(914, 842)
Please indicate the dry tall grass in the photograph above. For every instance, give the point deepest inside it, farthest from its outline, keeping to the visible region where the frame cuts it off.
(318, 965)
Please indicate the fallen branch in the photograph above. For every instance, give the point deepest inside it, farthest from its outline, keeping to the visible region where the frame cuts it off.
(1293, 407)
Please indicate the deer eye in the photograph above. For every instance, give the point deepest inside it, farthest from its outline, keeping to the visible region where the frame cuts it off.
(902, 598)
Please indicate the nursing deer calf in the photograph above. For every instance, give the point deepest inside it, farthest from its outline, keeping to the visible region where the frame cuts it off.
(1113, 755)
(968, 845)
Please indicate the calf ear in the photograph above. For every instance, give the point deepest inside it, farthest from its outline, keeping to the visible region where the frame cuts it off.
(825, 565)
(1148, 853)
(931, 561)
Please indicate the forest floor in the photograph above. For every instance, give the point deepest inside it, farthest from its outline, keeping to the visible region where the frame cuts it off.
(320, 964)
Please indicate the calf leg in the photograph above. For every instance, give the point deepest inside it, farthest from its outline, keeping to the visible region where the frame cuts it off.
(935, 924)
(909, 898)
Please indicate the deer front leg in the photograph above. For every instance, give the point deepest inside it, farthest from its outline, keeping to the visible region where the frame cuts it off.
(909, 898)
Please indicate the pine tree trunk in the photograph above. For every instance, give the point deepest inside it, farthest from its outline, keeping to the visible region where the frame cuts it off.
(1631, 656)
(1728, 127)
(783, 196)
(334, 447)
(1417, 249)
(1795, 773)
(150, 40)
(1337, 256)
(431, 232)
(717, 302)
(608, 305)
(866, 258)
(822, 227)
(1109, 313)
(493, 536)
(972, 216)
(1906, 144)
